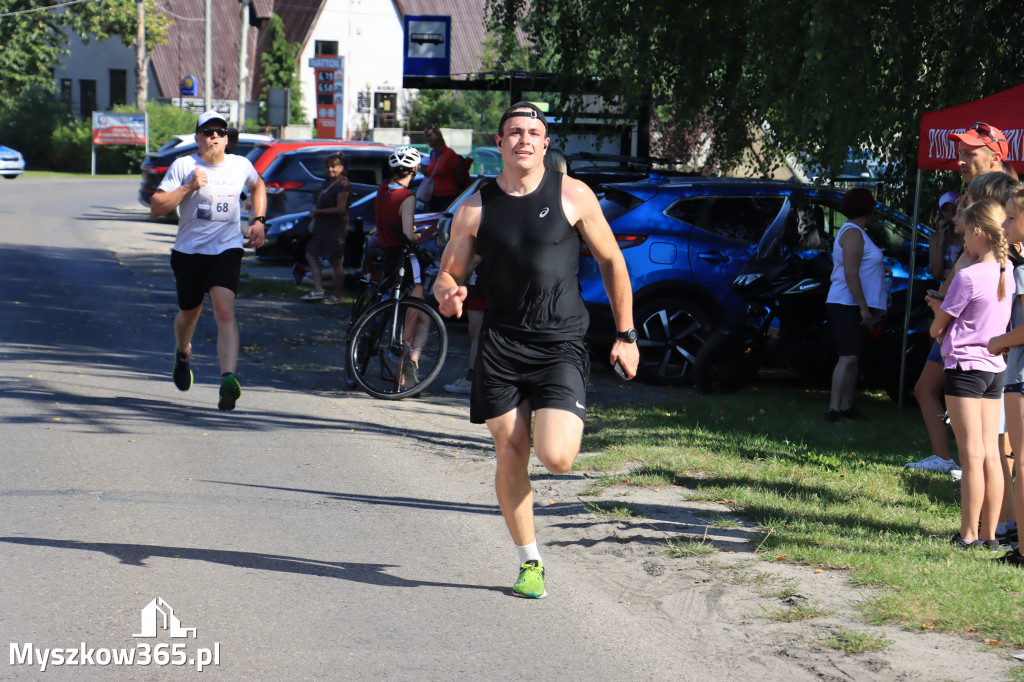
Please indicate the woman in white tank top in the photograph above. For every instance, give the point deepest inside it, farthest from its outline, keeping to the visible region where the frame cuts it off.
(856, 297)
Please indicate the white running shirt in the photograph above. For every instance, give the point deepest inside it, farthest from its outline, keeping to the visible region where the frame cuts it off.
(209, 221)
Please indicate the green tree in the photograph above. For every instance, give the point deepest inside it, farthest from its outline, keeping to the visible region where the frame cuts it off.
(34, 35)
(475, 109)
(824, 76)
(278, 67)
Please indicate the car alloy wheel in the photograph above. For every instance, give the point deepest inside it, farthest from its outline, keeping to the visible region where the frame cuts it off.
(672, 332)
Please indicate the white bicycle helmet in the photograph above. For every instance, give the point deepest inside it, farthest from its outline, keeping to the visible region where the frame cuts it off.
(405, 157)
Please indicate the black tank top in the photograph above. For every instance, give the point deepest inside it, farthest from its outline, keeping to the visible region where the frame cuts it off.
(530, 264)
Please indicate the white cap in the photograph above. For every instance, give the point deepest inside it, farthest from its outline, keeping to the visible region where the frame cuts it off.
(948, 198)
(208, 116)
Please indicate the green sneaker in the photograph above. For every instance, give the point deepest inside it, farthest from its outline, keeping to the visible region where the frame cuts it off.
(531, 581)
(230, 390)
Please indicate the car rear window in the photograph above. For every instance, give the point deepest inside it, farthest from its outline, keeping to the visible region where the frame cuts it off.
(615, 203)
(691, 211)
(742, 219)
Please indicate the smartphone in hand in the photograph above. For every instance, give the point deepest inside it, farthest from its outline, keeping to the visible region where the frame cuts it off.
(936, 294)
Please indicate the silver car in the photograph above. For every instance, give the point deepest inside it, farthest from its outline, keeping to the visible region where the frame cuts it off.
(12, 163)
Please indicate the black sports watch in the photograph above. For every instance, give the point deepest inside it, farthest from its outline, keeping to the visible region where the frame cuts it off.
(629, 336)
(261, 218)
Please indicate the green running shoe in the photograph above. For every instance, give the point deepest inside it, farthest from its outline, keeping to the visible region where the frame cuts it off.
(230, 390)
(182, 372)
(531, 581)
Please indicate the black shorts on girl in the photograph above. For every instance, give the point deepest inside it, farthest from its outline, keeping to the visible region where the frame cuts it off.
(196, 273)
(508, 372)
(974, 383)
(847, 331)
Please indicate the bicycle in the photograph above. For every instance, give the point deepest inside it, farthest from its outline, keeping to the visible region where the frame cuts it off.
(380, 357)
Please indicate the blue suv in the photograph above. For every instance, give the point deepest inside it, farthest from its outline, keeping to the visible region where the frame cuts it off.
(685, 239)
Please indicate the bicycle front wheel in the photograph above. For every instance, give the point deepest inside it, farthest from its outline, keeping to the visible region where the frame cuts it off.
(364, 298)
(397, 348)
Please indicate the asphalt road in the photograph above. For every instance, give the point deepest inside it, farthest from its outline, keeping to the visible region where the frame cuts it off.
(311, 533)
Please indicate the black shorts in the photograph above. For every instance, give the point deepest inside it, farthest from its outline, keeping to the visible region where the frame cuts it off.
(847, 331)
(974, 383)
(508, 372)
(392, 261)
(195, 273)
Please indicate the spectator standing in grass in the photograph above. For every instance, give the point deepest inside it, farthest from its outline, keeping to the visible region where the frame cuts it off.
(1012, 344)
(976, 308)
(980, 149)
(330, 225)
(944, 248)
(856, 298)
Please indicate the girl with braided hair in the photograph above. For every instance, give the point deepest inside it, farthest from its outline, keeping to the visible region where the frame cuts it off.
(976, 308)
(1012, 345)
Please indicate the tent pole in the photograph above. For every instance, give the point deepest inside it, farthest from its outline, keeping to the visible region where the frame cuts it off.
(910, 291)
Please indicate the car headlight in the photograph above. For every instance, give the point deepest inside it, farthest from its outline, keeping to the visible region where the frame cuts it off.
(278, 227)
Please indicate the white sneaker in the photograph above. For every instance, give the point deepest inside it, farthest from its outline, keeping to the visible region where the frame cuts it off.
(460, 385)
(957, 473)
(933, 463)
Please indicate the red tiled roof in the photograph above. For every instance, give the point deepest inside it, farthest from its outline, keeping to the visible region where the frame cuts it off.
(182, 55)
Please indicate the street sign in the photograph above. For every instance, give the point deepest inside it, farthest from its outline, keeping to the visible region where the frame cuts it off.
(428, 45)
(321, 62)
(110, 128)
(189, 86)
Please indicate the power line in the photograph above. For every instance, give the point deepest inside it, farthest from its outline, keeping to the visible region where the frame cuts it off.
(43, 9)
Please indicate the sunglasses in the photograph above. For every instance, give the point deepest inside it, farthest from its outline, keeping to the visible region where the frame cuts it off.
(985, 130)
(210, 132)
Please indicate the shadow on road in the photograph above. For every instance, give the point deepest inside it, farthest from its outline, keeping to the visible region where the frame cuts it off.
(136, 555)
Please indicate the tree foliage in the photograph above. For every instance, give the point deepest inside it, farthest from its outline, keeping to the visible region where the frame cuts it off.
(824, 76)
(34, 41)
(474, 109)
(278, 66)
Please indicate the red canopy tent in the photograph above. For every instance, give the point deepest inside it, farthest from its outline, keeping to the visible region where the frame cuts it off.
(1004, 110)
(935, 151)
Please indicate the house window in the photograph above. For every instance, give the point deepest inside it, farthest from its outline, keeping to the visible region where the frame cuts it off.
(118, 87)
(65, 93)
(86, 97)
(326, 46)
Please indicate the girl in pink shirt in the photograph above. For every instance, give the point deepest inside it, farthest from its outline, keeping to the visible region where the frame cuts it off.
(975, 309)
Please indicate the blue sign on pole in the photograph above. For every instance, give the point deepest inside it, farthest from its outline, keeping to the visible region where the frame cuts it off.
(189, 87)
(428, 49)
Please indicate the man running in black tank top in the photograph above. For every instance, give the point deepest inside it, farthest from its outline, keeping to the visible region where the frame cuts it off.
(531, 361)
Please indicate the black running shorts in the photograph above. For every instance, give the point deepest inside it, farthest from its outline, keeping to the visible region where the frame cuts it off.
(508, 372)
(974, 383)
(196, 273)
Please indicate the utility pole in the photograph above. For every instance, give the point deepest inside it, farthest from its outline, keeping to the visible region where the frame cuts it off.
(208, 60)
(243, 61)
(141, 76)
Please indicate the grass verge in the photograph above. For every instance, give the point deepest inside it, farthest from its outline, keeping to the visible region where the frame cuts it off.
(855, 642)
(830, 495)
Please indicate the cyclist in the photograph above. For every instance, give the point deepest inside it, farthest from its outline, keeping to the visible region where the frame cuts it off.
(394, 210)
